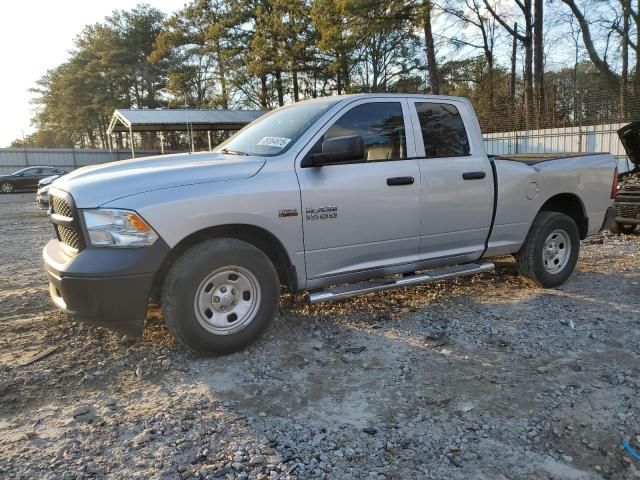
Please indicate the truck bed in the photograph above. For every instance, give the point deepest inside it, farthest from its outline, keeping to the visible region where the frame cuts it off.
(524, 182)
(533, 158)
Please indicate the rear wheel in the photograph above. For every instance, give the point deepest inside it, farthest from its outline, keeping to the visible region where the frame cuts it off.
(220, 296)
(550, 252)
(6, 187)
(622, 228)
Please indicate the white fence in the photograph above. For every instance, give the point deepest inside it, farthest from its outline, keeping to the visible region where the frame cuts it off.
(12, 159)
(592, 138)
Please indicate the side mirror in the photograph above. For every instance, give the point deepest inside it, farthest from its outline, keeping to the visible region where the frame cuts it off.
(337, 149)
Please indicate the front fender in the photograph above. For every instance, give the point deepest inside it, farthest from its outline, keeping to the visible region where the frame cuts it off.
(176, 213)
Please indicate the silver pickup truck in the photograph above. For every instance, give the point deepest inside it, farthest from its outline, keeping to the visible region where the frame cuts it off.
(336, 196)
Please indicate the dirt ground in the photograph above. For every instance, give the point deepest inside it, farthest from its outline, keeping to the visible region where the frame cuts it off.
(479, 378)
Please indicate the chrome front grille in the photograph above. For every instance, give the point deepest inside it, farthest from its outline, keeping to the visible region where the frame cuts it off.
(61, 207)
(69, 236)
(65, 222)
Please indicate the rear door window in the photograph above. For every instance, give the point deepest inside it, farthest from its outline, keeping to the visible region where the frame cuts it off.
(443, 131)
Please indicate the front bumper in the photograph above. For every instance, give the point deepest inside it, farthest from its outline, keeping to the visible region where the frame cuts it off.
(42, 203)
(108, 287)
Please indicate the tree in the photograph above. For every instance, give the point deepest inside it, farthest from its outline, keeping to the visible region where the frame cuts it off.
(472, 13)
(601, 64)
(335, 41)
(278, 46)
(387, 45)
(196, 42)
(626, 15)
(109, 68)
(132, 37)
(538, 56)
(429, 47)
(526, 39)
(265, 53)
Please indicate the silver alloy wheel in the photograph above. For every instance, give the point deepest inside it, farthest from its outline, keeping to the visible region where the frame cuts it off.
(7, 187)
(556, 252)
(227, 300)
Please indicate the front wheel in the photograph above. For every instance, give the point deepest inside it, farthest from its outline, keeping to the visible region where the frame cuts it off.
(550, 252)
(220, 296)
(6, 187)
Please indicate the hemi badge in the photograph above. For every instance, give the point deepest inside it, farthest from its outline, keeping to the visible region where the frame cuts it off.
(288, 212)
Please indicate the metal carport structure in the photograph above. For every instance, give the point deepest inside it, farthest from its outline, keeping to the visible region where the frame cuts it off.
(130, 120)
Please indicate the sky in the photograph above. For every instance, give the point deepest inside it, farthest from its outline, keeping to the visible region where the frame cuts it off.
(35, 36)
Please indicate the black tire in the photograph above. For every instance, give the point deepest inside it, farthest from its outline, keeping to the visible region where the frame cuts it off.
(622, 228)
(7, 187)
(530, 259)
(190, 272)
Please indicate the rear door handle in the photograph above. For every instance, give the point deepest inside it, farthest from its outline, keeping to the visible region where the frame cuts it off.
(473, 175)
(395, 181)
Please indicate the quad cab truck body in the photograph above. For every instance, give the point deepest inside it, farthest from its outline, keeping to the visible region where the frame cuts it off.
(336, 196)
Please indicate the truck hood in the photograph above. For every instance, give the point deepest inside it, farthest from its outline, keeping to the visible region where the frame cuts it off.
(98, 184)
(630, 138)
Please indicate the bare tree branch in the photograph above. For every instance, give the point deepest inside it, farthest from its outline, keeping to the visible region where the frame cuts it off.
(504, 24)
(602, 65)
(521, 5)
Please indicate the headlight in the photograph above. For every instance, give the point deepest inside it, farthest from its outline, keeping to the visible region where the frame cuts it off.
(117, 228)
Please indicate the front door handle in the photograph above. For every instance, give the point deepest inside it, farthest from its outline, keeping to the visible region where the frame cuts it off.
(473, 175)
(395, 181)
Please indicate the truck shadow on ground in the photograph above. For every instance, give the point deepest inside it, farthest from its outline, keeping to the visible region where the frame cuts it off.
(423, 368)
(478, 377)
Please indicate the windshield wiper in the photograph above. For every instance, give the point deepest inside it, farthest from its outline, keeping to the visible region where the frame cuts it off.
(233, 152)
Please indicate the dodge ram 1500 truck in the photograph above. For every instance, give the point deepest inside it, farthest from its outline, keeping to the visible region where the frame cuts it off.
(337, 196)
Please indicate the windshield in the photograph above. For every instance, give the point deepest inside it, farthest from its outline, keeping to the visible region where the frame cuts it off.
(275, 132)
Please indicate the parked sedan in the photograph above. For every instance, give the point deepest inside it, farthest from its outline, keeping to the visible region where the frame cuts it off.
(42, 195)
(27, 178)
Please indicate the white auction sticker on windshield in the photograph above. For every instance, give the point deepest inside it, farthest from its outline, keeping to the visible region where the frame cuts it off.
(278, 142)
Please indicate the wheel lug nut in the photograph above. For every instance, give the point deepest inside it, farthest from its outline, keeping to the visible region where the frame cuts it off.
(223, 289)
(216, 299)
(223, 308)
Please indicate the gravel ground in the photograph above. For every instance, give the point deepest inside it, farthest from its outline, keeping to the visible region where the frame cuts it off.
(483, 377)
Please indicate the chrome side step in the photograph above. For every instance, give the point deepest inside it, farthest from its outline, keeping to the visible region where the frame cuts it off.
(370, 286)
